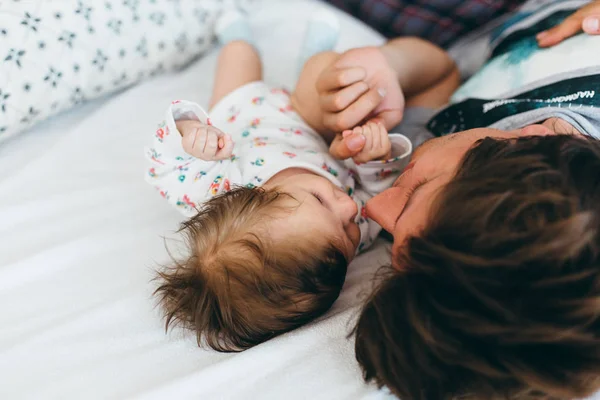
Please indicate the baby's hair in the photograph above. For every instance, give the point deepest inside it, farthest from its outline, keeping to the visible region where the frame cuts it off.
(239, 287)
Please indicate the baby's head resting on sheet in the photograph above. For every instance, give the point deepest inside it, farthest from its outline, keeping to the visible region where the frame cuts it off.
(498, 297)
(262, 261)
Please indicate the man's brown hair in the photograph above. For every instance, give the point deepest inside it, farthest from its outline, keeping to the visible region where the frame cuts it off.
(499, 295)
(239, 287)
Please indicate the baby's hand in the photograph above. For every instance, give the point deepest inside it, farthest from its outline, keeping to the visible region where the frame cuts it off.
(376, 143)
(205, 141)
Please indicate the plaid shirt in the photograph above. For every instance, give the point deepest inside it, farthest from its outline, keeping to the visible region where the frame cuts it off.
(439, 21)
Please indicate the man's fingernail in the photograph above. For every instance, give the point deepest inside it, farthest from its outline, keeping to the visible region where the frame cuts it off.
(591, 24)
(355, 142)
(382, 92)
(542, 35)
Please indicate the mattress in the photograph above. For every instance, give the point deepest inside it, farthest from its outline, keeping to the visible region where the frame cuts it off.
(82, 234)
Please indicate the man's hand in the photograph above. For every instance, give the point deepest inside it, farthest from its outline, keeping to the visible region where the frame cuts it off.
(205, 141)
(587, 19)
(369, 142)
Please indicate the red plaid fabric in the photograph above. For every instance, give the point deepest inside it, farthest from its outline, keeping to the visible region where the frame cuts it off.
(439, 21)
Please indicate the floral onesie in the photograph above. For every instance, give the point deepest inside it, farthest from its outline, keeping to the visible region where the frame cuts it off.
(269, 137)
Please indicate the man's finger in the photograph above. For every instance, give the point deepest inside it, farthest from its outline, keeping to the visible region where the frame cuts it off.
(339, 100)
(569, 27)
(355, 113)
(333, 79)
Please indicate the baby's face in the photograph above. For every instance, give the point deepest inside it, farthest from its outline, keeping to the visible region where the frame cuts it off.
(322, 210)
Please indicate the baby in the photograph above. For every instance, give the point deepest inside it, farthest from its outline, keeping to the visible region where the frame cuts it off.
(274, 218)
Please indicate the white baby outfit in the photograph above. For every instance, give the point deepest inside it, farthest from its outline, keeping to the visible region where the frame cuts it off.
(269, 137)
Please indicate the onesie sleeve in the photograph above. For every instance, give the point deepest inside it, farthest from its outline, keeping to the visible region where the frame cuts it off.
(183, 180)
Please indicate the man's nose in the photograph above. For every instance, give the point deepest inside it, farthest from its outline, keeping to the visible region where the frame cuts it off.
(385, 208)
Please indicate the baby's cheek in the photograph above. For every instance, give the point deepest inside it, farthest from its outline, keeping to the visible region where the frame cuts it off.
(354, 234)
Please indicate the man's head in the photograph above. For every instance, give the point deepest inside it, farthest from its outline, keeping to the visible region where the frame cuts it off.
(403, 209)
(497, 295)
(259, 265)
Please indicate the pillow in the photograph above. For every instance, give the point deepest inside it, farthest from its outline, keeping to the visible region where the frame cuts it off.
(55, 55)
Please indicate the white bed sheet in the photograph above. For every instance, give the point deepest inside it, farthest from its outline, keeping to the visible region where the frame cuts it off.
(20, 150)
(81, 234)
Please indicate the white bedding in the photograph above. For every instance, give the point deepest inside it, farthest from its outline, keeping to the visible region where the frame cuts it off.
(20, 150)
(81, 234)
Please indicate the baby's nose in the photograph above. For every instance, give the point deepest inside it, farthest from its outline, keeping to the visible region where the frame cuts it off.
(348, 209)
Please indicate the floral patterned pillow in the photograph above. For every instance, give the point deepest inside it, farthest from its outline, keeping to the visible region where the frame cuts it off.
(56, 54)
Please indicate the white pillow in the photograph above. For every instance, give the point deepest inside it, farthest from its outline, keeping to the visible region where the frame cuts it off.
(55, 54)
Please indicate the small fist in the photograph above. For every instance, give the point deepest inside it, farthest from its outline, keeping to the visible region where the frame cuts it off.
(205, 141)
(376, 145)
